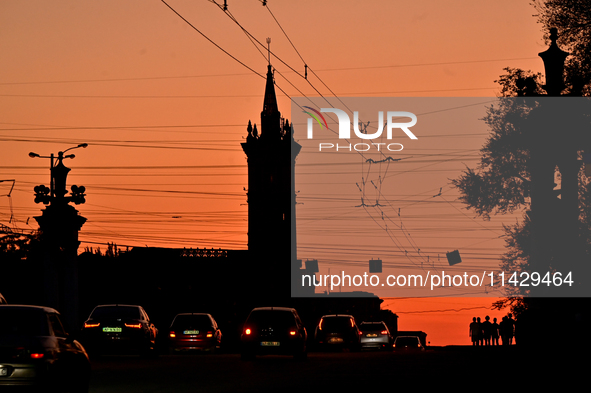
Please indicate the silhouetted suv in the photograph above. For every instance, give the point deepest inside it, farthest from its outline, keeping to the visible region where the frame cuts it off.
(119, 327)
(35, 350)
(375, 335)
(273, 330)
(337, 331)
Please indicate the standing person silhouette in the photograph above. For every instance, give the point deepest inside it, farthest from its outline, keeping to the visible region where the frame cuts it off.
(475, 332)
(495, 332)
(510, 328)
(480, 335)
(503, 330)
(486, 330)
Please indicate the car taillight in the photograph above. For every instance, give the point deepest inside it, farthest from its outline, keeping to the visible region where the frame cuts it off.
(134, 326)
(360, 332)
(247, 331)
(37, 355)
(172, 334)
(384, 332)
(91, 325)
(292, 332)
(209, 334)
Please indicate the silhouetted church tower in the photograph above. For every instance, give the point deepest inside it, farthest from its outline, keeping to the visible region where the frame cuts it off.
(271, 154)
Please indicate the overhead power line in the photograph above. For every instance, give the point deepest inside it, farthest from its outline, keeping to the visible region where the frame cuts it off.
(249, 73)
(210, 40)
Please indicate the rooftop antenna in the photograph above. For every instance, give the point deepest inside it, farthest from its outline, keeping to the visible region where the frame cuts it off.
(269, 48)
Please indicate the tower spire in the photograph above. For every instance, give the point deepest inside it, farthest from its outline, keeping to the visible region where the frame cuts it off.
(270, 116)
(271, 196)
(270, 107)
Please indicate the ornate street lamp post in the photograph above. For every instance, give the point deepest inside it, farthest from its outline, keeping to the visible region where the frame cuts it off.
(59, 225)
(58, 175)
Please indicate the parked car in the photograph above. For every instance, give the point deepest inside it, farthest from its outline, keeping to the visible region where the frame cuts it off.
(119, 328)
(408, 344)
(273, 330)
(337, 331)
(36, 351)
(375, 335)
(192, 331)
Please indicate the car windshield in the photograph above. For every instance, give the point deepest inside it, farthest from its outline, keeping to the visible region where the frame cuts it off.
(192, 321)
(407, 341)
(274, 318)
(119, 312)
(23, 321)
(372, 327)
(336, 323)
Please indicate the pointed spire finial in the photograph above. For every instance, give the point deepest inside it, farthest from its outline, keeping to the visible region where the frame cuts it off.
(269, 48)
(270, 101)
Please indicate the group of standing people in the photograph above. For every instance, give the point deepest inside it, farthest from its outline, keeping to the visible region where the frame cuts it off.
(488, 333)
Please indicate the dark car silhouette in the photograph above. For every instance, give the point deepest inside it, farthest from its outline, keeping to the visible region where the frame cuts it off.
(36, 351)
(194, 331)
(408, 344)
(273, 330)
(337, 331)
(119, 328)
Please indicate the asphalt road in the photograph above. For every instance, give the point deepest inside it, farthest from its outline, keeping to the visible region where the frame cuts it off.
(439, 368)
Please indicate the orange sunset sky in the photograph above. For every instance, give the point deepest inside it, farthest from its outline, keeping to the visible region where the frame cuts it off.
(164, 112)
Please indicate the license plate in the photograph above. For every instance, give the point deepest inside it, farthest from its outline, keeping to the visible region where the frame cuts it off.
(372, 335)
(112, 329)
(335, 340)
(270, 343)
(191, 332)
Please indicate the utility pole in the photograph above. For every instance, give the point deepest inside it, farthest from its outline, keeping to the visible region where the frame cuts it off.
(59, 225)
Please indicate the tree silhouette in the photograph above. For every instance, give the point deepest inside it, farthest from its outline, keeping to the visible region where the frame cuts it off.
(19, 264)
(500, 183)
